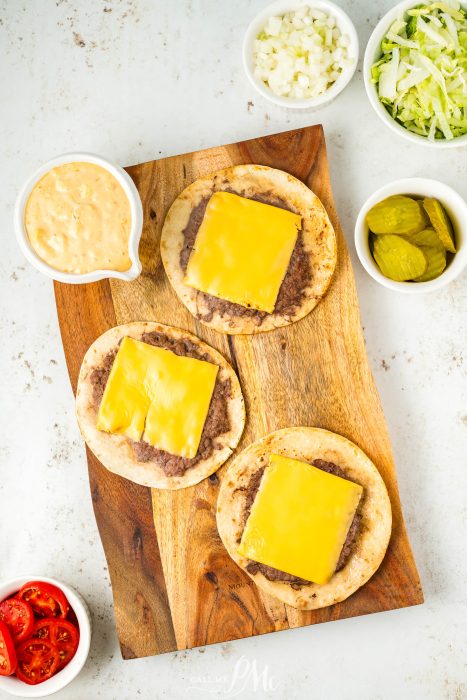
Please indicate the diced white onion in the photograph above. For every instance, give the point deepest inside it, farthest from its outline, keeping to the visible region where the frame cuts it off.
(300, 54)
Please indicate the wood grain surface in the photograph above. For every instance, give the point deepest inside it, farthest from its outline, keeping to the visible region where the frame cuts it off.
(174, 584)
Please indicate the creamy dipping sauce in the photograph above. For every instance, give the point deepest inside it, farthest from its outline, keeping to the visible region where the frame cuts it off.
(78, 219)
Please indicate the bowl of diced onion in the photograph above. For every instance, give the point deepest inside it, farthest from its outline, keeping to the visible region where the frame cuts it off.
(300, 54)
(414, 72)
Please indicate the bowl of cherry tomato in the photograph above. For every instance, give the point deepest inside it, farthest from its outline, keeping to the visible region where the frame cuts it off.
(45, 633)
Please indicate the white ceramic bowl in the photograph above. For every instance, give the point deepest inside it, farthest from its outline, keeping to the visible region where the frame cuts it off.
(279, 8)
(136, 221)
(11, 684)
(372, 54)
(456, 208)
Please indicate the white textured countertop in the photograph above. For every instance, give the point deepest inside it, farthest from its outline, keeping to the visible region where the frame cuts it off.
(138, 79)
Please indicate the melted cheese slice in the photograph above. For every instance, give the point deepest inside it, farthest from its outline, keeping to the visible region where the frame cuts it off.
(158, 396)
(242, 250)
(299, 519)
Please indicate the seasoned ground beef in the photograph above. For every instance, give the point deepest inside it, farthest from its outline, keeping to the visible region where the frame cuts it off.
(253, 567)
(99, 377)
(217, 421)
(251, 491)
(346, 551)
(179, 346)
(292, 289)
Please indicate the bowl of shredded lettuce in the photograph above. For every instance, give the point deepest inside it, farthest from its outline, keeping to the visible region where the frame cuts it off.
(415, 72)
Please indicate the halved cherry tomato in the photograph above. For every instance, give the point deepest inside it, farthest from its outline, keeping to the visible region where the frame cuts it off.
(7, 651)
(45, 599)
(18, 617)
(62, 633)
(38, 660)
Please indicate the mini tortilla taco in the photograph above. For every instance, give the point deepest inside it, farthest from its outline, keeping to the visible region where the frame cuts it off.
(158, 406)
(248, 249)
(306, 514)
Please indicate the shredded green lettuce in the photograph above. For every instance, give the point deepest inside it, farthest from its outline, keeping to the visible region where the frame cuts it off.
(421, 76)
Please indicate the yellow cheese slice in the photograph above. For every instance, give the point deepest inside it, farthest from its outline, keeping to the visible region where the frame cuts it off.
(242, 250)
(158, 396)
(299, 519)
(125, 402)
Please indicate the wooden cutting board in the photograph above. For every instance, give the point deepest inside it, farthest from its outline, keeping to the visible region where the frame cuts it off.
(174, 585)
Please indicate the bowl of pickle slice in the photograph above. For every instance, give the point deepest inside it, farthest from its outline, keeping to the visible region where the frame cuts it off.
(410, 235)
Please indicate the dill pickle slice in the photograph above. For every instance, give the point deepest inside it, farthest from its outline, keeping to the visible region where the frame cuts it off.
(428, 237)
(398, 259)
(397, 214)
(436, 259)
(440, 222)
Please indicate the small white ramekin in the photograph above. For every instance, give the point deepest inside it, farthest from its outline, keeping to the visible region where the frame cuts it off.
(280, 7)
(372, 54)
(136, 221)
(456, 208)
(11, 684)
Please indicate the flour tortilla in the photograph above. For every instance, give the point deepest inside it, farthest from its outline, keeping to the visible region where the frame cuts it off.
(115, 451)
(307, 444)
(249, 180)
